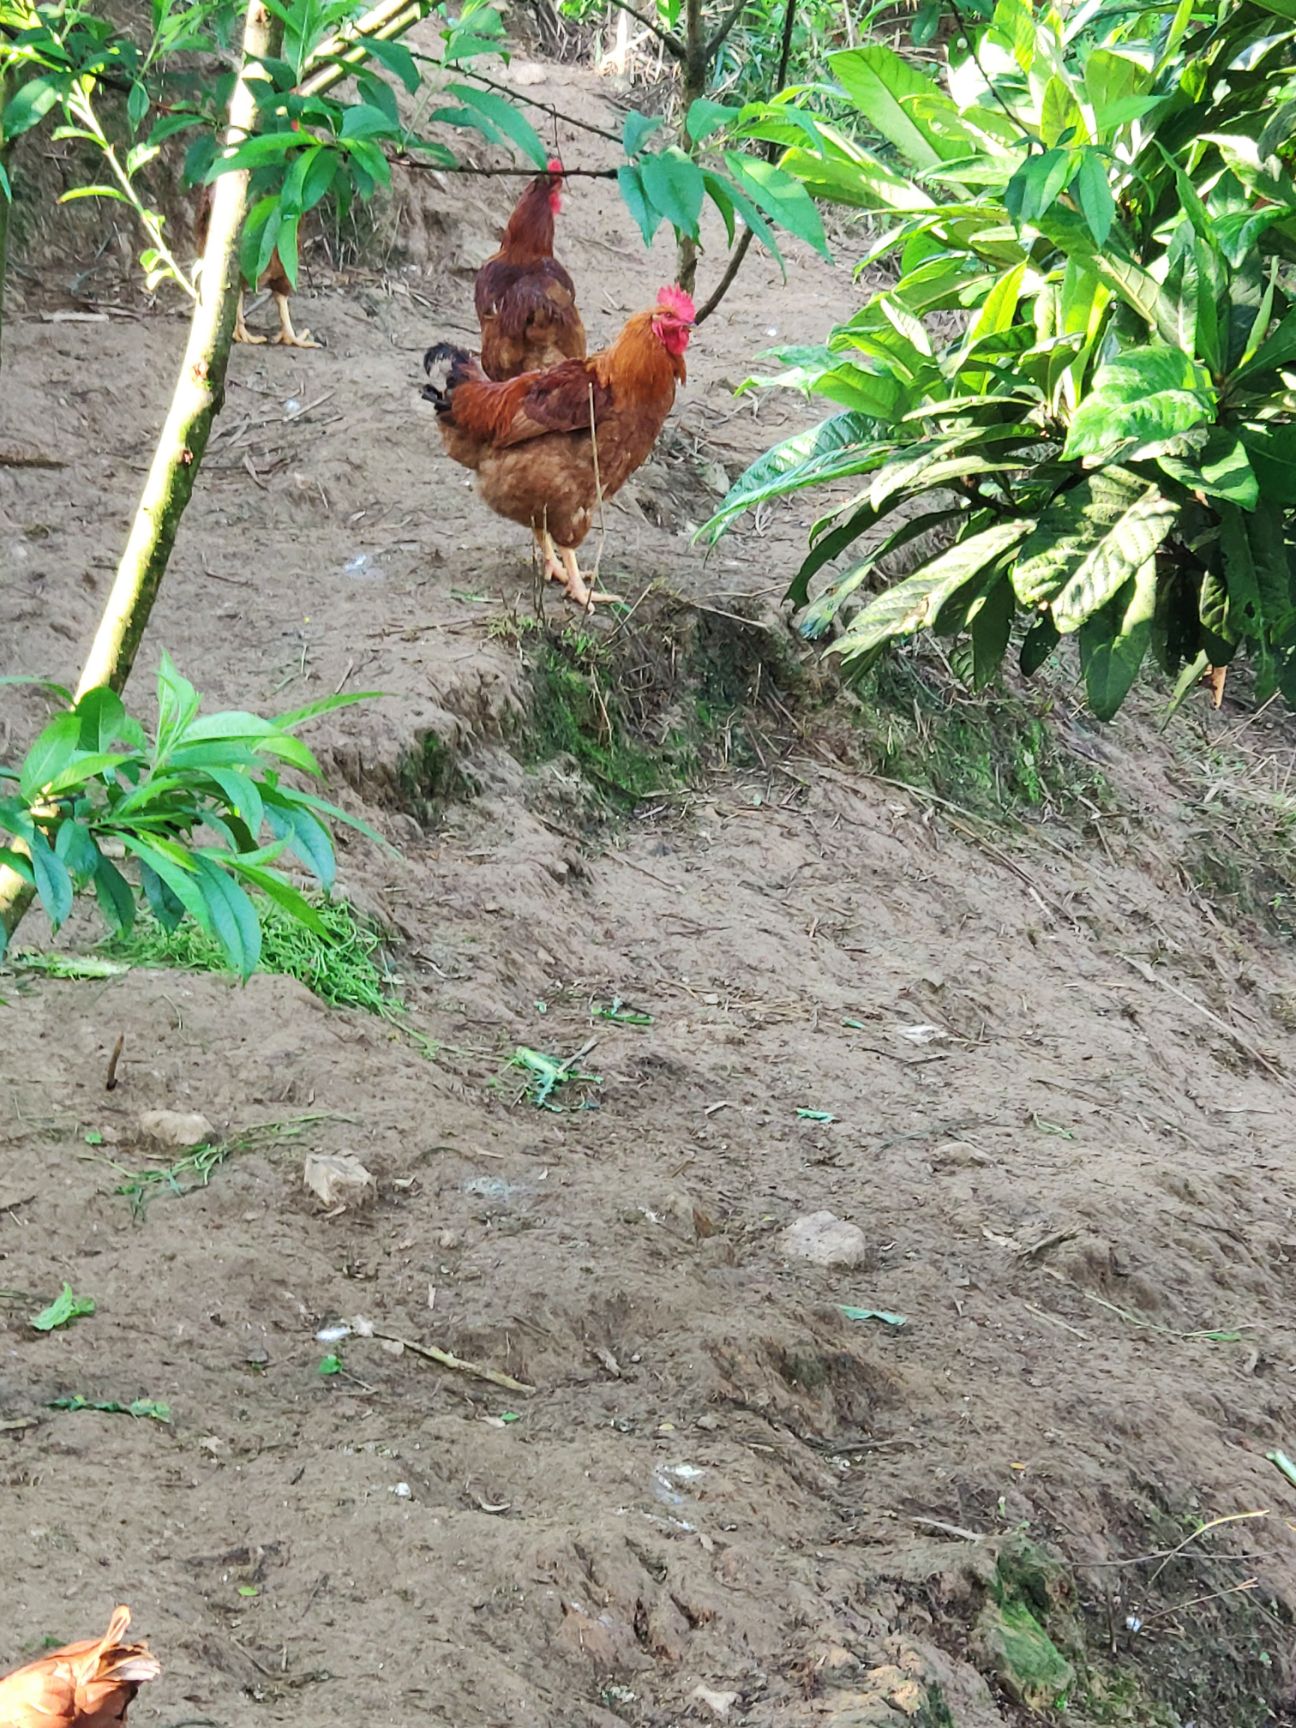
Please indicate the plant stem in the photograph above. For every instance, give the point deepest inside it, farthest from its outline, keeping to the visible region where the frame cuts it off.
(741, 250)
(82, 109)
(198, 394)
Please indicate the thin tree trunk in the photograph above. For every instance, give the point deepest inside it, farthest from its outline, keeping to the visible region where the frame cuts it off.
(692, 85)
(198, 397)
(4, 212)
(194, 406)
(741, 250)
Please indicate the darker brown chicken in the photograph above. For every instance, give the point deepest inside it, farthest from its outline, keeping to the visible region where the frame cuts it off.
(526, 302)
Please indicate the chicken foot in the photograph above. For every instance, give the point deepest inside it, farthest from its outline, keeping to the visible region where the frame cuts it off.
(288, 337)
(241, 331)
(560, 566)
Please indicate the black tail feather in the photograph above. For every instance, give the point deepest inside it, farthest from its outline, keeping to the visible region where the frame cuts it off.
(446, 365)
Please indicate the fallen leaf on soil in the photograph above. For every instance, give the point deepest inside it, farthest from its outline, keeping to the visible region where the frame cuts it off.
(63, 1310)
(179, 1128)
(338, 1179)
(922, 1034)
(882, 1314)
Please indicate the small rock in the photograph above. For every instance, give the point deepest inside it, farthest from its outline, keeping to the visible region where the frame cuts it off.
(824, 1240)
(338, 1179)
(718, 1703)
(178, 1128)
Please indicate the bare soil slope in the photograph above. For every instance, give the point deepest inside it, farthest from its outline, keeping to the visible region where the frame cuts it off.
(721, 1480)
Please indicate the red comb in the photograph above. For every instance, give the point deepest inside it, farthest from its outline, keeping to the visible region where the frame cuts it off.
(554, 166)
(674, 299)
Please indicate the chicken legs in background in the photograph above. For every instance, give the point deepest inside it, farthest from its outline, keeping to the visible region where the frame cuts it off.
(85, 1685)
(274, 279)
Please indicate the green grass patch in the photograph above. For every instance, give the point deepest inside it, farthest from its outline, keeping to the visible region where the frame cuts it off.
(348, 971)
(998, 753)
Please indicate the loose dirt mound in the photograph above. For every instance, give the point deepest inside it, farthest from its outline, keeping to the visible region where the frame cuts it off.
(730, 1494)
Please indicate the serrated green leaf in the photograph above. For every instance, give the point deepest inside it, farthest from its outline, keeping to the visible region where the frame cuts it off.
(910, 605)
(1144, 394)
(886, 89)
(781, 196)
(705, 117)
(637, 130)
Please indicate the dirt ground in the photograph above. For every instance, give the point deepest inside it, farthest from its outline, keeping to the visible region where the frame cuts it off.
(725, 1499)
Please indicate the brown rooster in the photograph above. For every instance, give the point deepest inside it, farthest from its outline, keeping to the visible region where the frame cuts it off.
(274, 279)
(548, 446)
(526, 303)
(86, 1685)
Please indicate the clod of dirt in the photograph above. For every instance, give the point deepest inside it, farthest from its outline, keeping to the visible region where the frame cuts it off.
(339, 1180)
(824, 1240)
(179, 1129)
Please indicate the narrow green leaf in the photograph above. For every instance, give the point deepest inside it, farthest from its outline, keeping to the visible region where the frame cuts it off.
(113, 892)
(649, 220)
(53, 883)
(1114, 640)
(889, 92)
(1094, 196)
(234, 921)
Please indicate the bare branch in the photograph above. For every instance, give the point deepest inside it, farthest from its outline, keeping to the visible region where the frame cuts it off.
(400, 160)
(718, 41)
(530, 102)
(667, 38)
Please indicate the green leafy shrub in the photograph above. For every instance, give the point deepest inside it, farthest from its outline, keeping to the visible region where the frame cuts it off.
(188, 807)
(1081, 383)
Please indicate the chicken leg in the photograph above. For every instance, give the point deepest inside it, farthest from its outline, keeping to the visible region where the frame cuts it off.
(560, 566)
(288, 337)
(241, 331)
